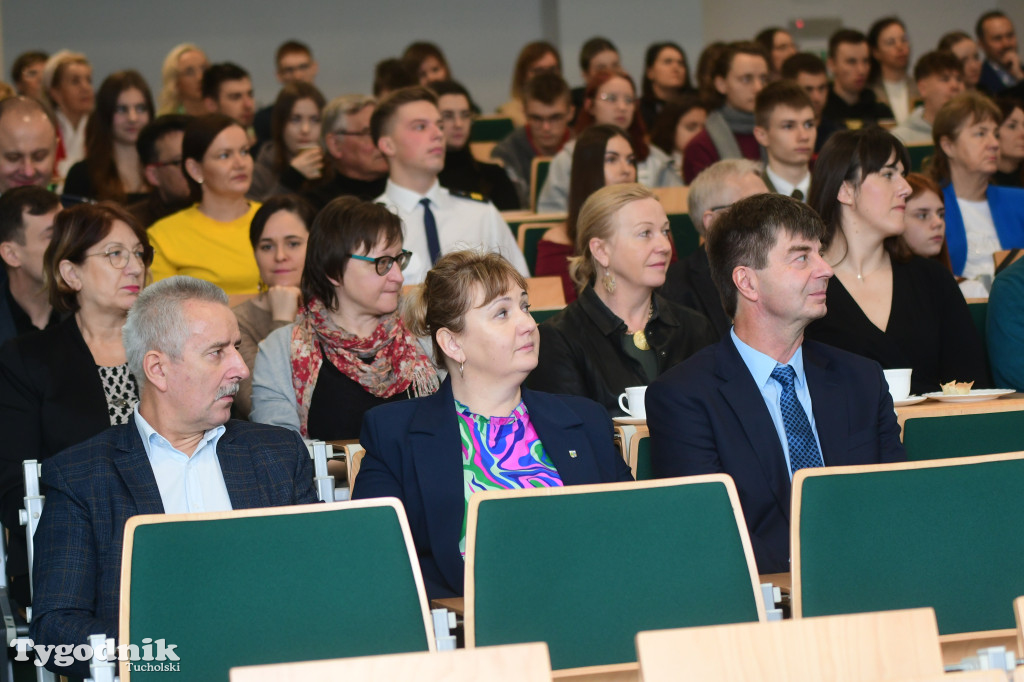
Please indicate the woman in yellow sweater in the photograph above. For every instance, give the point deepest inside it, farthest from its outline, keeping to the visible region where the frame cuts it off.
(210, 240)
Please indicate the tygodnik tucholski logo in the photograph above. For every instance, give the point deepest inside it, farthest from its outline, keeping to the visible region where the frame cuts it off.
(153, 655)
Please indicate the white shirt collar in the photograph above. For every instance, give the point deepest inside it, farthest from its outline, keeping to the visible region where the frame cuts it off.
(406, 199)
(783, 186)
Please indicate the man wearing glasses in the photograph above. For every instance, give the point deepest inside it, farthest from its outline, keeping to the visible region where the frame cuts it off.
(547, 103)
(407, 128)
(688, 281)
(360, 170)
(159, 147)
(294, 61)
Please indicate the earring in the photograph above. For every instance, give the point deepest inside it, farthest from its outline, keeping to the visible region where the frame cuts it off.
(462, 369)
(608, 281)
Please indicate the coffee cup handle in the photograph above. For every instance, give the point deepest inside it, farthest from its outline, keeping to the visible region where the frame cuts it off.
(623, 396)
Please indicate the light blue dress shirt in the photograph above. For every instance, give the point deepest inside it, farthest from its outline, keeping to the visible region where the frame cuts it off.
(186, 484)
(761, 367)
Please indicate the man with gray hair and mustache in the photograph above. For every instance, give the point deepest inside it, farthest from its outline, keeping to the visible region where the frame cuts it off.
(181, 453)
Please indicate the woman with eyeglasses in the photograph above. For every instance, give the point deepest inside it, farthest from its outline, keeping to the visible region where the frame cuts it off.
(67, 383)
(610, 99)
(348, 351)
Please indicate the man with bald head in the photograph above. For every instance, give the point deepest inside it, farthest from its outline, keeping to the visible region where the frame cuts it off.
(688, 281)
(28, 144)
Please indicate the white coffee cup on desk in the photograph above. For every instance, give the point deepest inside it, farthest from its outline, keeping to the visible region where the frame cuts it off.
(899, 383)
(634, 402)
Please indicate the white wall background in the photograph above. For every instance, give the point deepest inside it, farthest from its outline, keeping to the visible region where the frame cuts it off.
(480, 37)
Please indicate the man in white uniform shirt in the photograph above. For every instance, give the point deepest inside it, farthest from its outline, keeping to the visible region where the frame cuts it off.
(407, 128)
(180, 453)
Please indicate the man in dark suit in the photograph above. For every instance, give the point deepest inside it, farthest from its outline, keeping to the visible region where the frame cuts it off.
(763, 403)
(688, 281)
(998, 40)
(179, 454)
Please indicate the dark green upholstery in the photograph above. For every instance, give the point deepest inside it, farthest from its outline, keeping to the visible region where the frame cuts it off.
(643, 459)
(964, 435)
(545, 314)
(530, 240)
(269, 589)
(948, 536)
(585, 572)
(919, 154)
(684, 234)
(491, 129)
(543, 166)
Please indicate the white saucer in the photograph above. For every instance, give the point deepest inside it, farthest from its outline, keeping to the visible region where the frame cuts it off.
(632, 421)
(909, 400)
(975, 396)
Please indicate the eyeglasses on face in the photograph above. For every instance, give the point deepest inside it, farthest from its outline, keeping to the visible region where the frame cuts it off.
(383, 263)
(119, 255)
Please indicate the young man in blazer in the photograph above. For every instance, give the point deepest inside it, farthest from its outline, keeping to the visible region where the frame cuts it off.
(763, 403)
(179, 454)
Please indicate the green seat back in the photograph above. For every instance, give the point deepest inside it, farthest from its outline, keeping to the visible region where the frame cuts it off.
(963, 435)
(585, 572)
(684, 234)
(491, 129)
(643, 459)
(268, 589)
(530, 240)
(545, 314)
(949, 536)
(919, 154)
(542, 174)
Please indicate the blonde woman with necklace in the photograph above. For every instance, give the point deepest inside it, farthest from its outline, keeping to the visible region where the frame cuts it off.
(619, 332)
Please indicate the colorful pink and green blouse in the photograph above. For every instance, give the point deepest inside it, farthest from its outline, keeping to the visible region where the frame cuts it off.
(501, 453)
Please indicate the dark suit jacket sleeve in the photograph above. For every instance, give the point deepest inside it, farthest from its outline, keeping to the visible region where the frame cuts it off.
(682, 440)
(305, 491)
(890, 447)
(20, 417)
(378, 473)
(65, 573)
(601, 433)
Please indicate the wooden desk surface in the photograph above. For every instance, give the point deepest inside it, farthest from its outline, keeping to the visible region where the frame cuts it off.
(935, 408)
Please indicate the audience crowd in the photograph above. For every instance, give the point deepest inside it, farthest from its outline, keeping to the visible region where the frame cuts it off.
(377, 291)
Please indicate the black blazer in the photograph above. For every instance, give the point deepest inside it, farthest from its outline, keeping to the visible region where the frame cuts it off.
(581, 353)
(688, 283)
(708, 416)
(413, 452)
(51, 398)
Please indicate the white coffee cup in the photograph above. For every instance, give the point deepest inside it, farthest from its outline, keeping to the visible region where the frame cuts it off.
(634, 405)
(899, 383)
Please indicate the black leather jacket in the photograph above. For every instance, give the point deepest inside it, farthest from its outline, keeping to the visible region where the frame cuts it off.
(581, 351)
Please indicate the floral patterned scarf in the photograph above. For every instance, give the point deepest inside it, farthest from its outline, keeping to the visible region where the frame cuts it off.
(397, 362)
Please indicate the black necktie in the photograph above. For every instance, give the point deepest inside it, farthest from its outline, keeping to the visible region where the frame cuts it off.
(797, 194)
(430, 225)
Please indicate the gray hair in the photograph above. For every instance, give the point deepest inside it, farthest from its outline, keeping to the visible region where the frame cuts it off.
(336, 111)
(156, 321)
(712, 184)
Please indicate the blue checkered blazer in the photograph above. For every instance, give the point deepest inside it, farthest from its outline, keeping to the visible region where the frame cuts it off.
(94, 487)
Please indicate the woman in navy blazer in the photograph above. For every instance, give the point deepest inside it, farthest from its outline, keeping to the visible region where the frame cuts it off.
(966, 157)
(477, 312)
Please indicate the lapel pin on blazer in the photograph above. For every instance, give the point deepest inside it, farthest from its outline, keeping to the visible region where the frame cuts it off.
(572, 453)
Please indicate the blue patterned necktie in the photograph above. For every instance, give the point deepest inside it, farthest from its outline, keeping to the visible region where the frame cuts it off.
(430, 225)
(803, 449)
